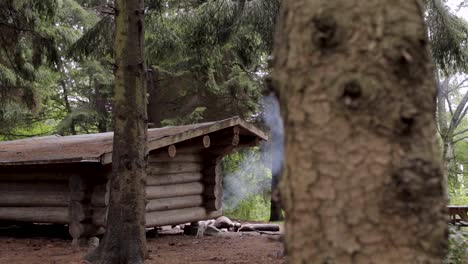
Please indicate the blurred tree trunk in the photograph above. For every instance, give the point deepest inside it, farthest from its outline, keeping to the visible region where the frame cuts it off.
(124, 241)
(362, 181)
(68, 108)
(100, 104)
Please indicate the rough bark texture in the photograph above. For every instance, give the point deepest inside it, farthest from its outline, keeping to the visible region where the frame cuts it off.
(362, 181)
(124, 240)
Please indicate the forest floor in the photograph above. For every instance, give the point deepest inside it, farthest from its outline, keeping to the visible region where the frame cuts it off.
(51, 245)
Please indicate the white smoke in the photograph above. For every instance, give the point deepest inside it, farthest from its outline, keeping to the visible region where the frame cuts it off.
(253, 174)
(275, 145)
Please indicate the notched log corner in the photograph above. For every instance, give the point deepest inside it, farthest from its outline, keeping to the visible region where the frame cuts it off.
(414, 185)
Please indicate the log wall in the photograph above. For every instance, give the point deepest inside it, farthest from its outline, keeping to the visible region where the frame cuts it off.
(187, 186)
(183, 184)
(34, 196)
(76, 196)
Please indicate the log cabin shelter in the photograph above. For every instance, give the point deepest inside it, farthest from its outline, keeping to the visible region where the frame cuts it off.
(65, 179)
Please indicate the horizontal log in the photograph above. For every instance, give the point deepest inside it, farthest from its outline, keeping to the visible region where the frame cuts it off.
(179, 216)
(174, 167)
(82, 230)
(55, 215)
(99, 216)
(100, 198)
(213, 191)
(37, 199)
(37, 187)
(259, 227)
(213, 204)
(165, 204)
(173, 178)
(34, 176)
(187, 157)
(174, 190)
(213, 173)
(100, 194)
(78, 211)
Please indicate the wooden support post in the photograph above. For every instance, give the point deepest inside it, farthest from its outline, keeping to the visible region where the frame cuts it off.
(99, 203)
(212, 178)
(79, 210)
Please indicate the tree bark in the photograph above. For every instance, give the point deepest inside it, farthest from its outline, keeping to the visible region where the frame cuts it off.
(362, 181)
(154, 111)
(124, 240)
(68, 108)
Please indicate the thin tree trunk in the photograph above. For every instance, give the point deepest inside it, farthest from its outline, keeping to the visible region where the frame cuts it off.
(100, 104)
(124, 241)
(362, 181)
(68, 106)
(154, 110)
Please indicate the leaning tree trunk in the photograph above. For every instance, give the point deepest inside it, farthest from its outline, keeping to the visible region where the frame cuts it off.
(362, 181)
(124, 240)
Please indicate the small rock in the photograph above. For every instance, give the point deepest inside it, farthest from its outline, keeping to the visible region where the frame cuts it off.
(93, 242)
(223, 222)
(212, 231)
(210, 222)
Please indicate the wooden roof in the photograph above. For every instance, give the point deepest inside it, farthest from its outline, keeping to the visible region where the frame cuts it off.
(98, 147)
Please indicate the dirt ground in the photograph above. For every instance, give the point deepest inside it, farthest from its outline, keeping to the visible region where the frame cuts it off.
(51, 245)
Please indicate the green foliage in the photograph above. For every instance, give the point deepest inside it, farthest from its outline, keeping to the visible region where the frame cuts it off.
(25, 45)
(193, 118)
(210, 54)
(247, 183)
(449, 37)
(254, 208)
(459, 200)
(458, 246)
